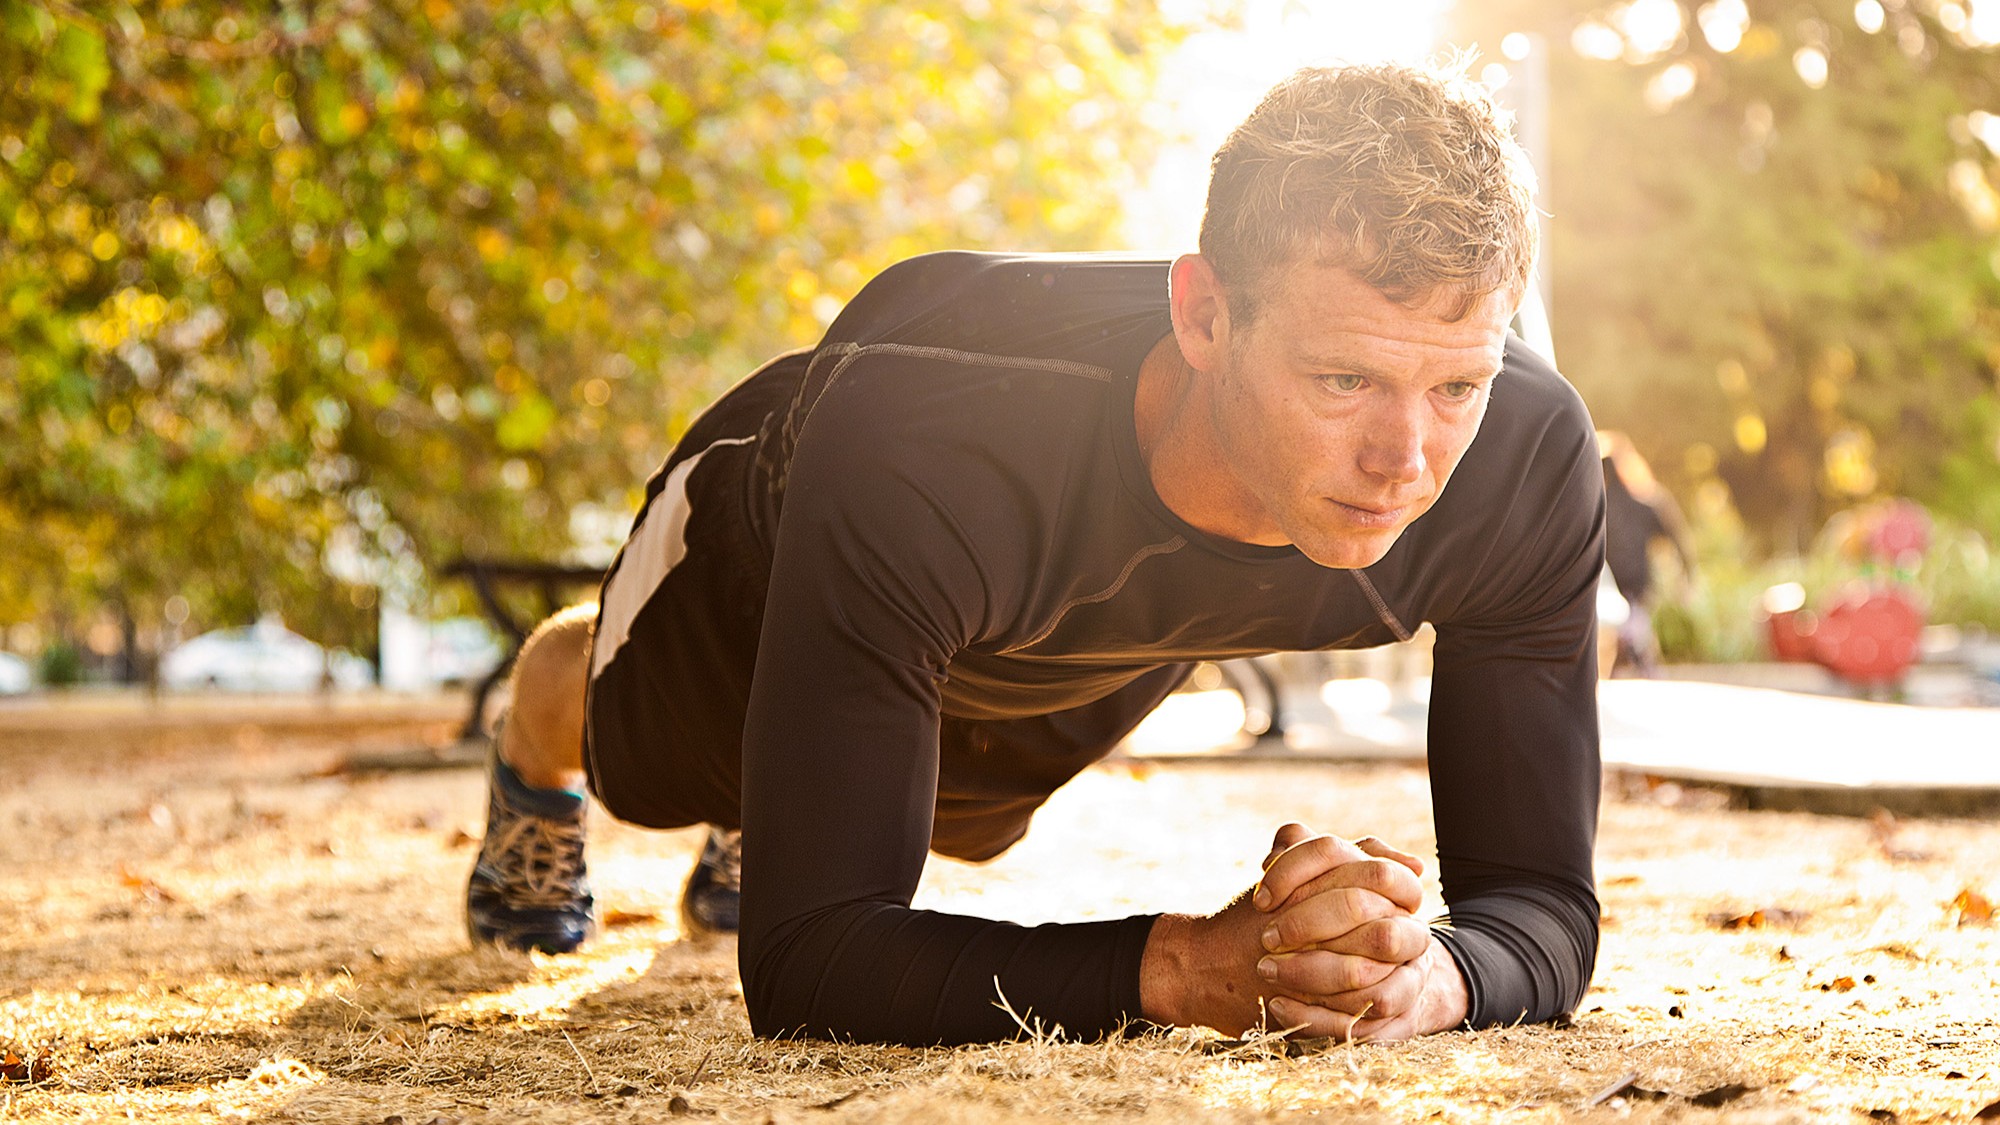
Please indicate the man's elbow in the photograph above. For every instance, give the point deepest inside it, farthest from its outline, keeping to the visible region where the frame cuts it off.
(775, 1012)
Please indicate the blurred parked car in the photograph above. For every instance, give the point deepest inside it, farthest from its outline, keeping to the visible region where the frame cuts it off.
(16, 677)
(261, 657)
(422, 655)
(461, 651)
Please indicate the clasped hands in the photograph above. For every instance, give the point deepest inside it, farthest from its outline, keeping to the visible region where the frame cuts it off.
(1327, 943)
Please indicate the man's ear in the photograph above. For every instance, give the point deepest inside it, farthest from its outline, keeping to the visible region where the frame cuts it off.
(1200, 308)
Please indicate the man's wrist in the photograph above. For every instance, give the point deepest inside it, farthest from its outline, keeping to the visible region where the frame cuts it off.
(1164, 971)
(1447, 995)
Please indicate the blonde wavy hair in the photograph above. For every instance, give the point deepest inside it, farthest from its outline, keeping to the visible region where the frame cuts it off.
(1407, 178)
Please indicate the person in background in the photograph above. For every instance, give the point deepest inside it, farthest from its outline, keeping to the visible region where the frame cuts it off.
(1639, 516)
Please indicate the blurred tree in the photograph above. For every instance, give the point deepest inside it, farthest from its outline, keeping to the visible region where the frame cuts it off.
(289, 290)
(1773, 242)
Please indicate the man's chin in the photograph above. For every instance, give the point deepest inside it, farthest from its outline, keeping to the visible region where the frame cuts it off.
(1350, 551)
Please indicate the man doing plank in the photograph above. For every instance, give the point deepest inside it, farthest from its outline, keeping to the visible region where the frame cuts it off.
(888, 594)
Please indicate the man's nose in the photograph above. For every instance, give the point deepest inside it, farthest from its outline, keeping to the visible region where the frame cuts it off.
(1393, 446)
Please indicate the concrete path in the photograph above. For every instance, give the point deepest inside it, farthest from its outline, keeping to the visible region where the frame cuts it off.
(1775, 749)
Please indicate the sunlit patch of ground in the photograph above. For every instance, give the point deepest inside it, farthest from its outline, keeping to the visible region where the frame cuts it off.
(215, 933)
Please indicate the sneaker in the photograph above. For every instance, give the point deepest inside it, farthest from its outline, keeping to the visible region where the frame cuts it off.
(529, 889)
(711, 902)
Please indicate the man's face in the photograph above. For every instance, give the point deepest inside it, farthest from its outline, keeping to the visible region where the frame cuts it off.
(1340, 414)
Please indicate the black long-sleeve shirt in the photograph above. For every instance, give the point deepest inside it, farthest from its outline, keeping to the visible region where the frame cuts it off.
(961, 529)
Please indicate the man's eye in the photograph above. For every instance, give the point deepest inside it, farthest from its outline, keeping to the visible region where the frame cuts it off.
(1462, 389)
(1343, 382)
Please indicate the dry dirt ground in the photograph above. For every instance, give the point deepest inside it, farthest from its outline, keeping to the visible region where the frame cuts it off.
(218, 925)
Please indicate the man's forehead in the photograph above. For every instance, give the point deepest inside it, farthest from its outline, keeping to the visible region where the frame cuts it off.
(1331, 314)
(1306, 281)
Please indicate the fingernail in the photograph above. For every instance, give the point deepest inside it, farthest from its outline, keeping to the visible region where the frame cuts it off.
(1271, 938)
(1268, 969)
(1262, 899)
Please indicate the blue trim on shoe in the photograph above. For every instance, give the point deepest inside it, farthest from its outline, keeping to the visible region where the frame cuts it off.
(533, 798)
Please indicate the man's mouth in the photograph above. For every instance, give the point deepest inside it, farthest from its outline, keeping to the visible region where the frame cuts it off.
(1376, 517)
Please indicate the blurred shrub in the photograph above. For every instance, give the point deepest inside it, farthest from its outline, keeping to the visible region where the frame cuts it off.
(61, 665)
(1715, 617)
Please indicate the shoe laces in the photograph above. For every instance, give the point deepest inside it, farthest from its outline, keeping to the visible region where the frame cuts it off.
(544, 856)
(724, 856)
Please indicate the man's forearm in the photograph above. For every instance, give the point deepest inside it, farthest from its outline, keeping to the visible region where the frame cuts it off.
(879, 972)
(1527, 953)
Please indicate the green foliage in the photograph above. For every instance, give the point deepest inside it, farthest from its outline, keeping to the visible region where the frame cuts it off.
(1714, 617)
(291, 288)
(1792, 289)
(60, 665)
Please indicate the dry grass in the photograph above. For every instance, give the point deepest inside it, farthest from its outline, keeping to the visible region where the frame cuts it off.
(203, 932)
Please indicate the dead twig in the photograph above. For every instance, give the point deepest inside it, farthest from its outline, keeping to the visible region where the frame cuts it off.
(591, 1074)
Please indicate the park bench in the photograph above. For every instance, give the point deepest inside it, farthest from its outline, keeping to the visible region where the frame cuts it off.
(489, 578)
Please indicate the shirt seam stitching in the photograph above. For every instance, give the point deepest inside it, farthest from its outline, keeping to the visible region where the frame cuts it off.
(1141, 555)
(850, 352)
(1381, 607)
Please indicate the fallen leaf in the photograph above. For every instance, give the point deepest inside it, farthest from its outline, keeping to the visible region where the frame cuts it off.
(1757, 919)
(1882, 1114)
(1973, 908)
(1882, 824)
(1885, 828)
(616, 918)
(1841, 984)
(147, 889)
(32, 1071)
(1990, 1113)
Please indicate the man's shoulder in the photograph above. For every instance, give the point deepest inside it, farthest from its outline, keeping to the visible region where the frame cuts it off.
(1535, 424)
(1532, 468)
(984, 349)
(1528, 378)
(1517, 529)
(1078, 307)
